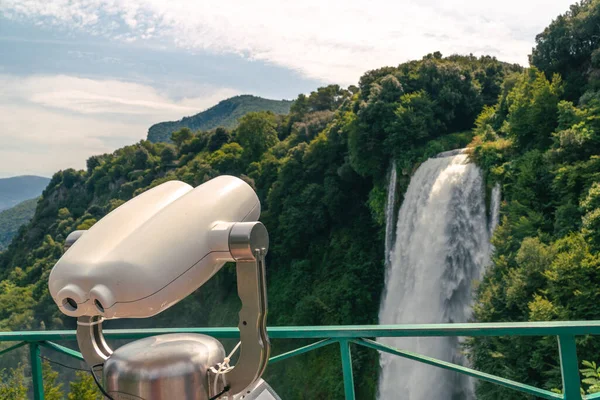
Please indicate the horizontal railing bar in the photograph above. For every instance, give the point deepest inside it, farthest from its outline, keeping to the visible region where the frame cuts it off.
(521, 387)
(485, 329)
(592, 396)
(302, 350)
(62, 349)
(349, 331)
(11, 348)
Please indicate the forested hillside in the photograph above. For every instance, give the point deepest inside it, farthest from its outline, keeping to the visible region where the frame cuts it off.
(321, 175)
(541, 142)
(225, 114)
(13, 218)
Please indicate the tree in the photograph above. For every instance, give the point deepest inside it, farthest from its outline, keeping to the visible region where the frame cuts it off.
(64, 213)
(369, 128)
(570, 46)
(533, 110)
(181, 136)
(578, 135)
(591, 220)
(414, 123)
(86, 224)
(52, 388)
(70, 177)
(300, 106)
(93, 162)
(16, 303)
(256, 133)
(219, 137)
(327, 98)
(168, 155)
(195, 145)
(140, 158)
(12, 385)
(227, 159)
(84, 387)
(391, 89)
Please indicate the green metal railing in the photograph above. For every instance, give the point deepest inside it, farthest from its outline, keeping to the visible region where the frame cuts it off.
(358, 335)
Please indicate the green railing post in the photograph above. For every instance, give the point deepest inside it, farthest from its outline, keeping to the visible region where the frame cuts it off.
(569, 367)
(36, 371)
(347, 369)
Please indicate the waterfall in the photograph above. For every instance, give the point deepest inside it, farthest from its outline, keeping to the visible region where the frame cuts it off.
(441, 247)
(389, 214)
(494, 208)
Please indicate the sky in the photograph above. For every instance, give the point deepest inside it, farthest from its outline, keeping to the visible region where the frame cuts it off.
(79, 78)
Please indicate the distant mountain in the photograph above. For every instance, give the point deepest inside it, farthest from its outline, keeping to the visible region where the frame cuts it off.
(13, 218)
(20, 188)
(225, 114)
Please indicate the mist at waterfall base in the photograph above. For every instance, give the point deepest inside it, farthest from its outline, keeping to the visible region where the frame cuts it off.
(441, 248)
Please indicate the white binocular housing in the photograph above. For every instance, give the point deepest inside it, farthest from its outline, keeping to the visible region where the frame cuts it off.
(147, 255)
(152, 251)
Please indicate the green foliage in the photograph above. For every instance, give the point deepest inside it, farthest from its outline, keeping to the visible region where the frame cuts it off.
(327, 98)
(168, 155)
(225, 114)
(84, 387)
(17, 303)
(591, 219)
(12, 384)
(256, 133)
(591, 376)
(570, 47)
(401, 109)
(532, 110)
(13, 218)
(414, 122)
(219, 137)
(546, 266)
(227, 159)
(320, 175)
(178, 137)
(578, 134)
(86, 224)
(52, 387)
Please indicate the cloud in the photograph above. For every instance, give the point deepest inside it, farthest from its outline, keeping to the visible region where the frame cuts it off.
(57, 122)
(41, 142)
(107, 96)
(335, 40)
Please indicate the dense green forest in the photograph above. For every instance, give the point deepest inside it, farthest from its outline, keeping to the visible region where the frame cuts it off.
(13, 218)
(321, 173)
(225, 114)
(541, 141)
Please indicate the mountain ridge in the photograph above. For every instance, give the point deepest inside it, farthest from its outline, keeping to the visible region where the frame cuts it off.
(16, 189)
(225, 114)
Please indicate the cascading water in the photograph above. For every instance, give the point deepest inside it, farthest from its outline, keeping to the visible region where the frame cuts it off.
(442, 246)
(494, 208)
(389, 214)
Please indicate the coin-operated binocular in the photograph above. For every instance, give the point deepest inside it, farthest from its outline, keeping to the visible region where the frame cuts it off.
(146, 256)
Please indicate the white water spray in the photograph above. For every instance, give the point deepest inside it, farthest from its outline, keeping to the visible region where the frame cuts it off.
(441, 248)
(389, 214)
(495, 208)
